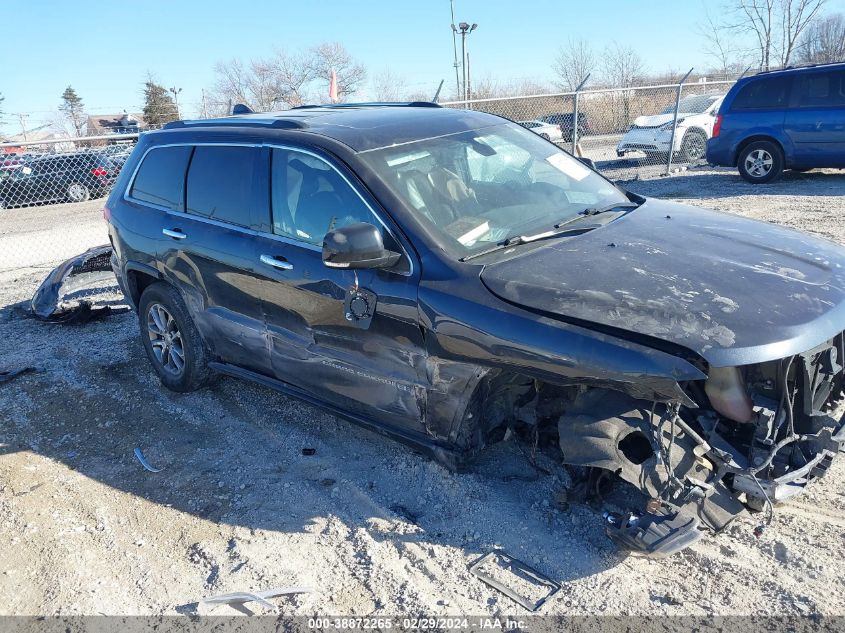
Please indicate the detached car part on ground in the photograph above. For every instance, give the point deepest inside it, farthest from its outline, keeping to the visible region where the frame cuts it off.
(443, 276)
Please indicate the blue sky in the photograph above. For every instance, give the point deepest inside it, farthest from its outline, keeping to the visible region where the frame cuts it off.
(104, 49)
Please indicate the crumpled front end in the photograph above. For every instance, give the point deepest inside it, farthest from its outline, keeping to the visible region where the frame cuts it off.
(759, 435)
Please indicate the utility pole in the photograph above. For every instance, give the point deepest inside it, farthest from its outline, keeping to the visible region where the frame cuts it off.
(455, 48)
(175, 92)
(22, 118)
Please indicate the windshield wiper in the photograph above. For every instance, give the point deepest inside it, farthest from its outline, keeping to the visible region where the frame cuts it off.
(526, 239)
(609, 207)
(556, 231)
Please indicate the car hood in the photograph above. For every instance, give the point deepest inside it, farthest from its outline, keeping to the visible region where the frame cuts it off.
(656, 120)
(733, 290)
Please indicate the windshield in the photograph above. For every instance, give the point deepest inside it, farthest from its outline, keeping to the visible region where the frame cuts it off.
(475, 189)
(691, 105)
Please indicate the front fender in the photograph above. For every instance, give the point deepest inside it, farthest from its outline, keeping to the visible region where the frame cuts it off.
(478, 329)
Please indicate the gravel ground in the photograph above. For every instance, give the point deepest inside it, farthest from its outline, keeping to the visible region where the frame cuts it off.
(375, 528)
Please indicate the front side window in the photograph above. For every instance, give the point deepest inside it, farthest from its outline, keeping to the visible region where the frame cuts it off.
(762, 94)
(821, 90)
(220, 183)
(310, 198)
(476, 188)
(161, 178)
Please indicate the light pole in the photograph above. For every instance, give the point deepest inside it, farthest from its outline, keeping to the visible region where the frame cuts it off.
(465, 30)
(175, 92)
(455, 49)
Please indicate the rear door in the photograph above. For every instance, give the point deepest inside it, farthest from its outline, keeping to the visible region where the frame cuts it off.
(373, 367)
(816, 119)
(208, 251)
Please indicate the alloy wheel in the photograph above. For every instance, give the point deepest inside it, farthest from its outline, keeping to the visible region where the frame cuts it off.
(759, 163)
(77, 192)
(166, 339)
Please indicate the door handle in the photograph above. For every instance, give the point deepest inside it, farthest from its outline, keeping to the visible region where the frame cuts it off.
(276, 262)
(176, 234)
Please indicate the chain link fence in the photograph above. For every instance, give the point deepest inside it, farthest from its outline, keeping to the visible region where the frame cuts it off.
(626, 132)
(51, 192)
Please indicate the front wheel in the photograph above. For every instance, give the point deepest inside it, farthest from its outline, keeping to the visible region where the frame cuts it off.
(78, 193)
(760, 162)
(171, 340)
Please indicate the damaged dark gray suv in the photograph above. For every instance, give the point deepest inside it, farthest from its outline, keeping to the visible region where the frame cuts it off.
(445, 275)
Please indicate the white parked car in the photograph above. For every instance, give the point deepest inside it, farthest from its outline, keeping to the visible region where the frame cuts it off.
(653, 134)
(547, 130)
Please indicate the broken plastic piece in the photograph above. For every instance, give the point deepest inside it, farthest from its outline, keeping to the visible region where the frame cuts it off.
(239, 597)
(653, 534)
(144, 462)
(45, 301)
(498, 568)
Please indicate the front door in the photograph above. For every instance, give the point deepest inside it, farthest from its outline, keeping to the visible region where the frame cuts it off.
(366, 358)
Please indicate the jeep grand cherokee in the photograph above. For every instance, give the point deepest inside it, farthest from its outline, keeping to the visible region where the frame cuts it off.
(443, 275)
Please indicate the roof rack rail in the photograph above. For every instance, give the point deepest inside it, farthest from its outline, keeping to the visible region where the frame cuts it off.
(236, 121)
(800, 66)
(372, 104)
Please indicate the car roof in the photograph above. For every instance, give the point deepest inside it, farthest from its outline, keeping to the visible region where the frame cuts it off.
(360, 126)
(797, 69)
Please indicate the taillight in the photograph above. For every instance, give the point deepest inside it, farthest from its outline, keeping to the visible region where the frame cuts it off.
(106, 214)
(717, 126)
(99, 172)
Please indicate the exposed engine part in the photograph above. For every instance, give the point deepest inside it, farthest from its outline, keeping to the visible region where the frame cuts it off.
(726, 391)
(659, 454)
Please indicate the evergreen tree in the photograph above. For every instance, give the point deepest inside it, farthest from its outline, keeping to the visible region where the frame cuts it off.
(73, 109)
(159, 107)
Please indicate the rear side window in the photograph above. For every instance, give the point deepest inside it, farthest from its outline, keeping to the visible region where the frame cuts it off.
(821, 90)
(762, 94)
(220, 183)
(161, 178)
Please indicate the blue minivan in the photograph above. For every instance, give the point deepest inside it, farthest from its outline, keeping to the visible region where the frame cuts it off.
(785, 119)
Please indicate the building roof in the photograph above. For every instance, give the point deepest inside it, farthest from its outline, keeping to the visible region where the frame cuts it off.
(112, 122)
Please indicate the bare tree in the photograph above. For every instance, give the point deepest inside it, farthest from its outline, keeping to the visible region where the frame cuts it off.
(796, 16)
(823, 41)
(575, 60)
(720, 45)
(622, 67)
(286, 80)
(388, 86)
(333, 56)
(775, 26)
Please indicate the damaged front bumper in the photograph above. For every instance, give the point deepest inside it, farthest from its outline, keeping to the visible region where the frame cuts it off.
(698, 469)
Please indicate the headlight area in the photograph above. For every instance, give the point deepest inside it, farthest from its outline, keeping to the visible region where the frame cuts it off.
(789, 437)
(756, 436)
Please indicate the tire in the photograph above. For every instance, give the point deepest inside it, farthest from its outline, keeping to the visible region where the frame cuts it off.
(77, 192)
(693, 146)
(171, 340)
(760, 162)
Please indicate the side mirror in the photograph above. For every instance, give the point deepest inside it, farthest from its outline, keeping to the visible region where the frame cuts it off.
(588, 162)
(357, 246)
